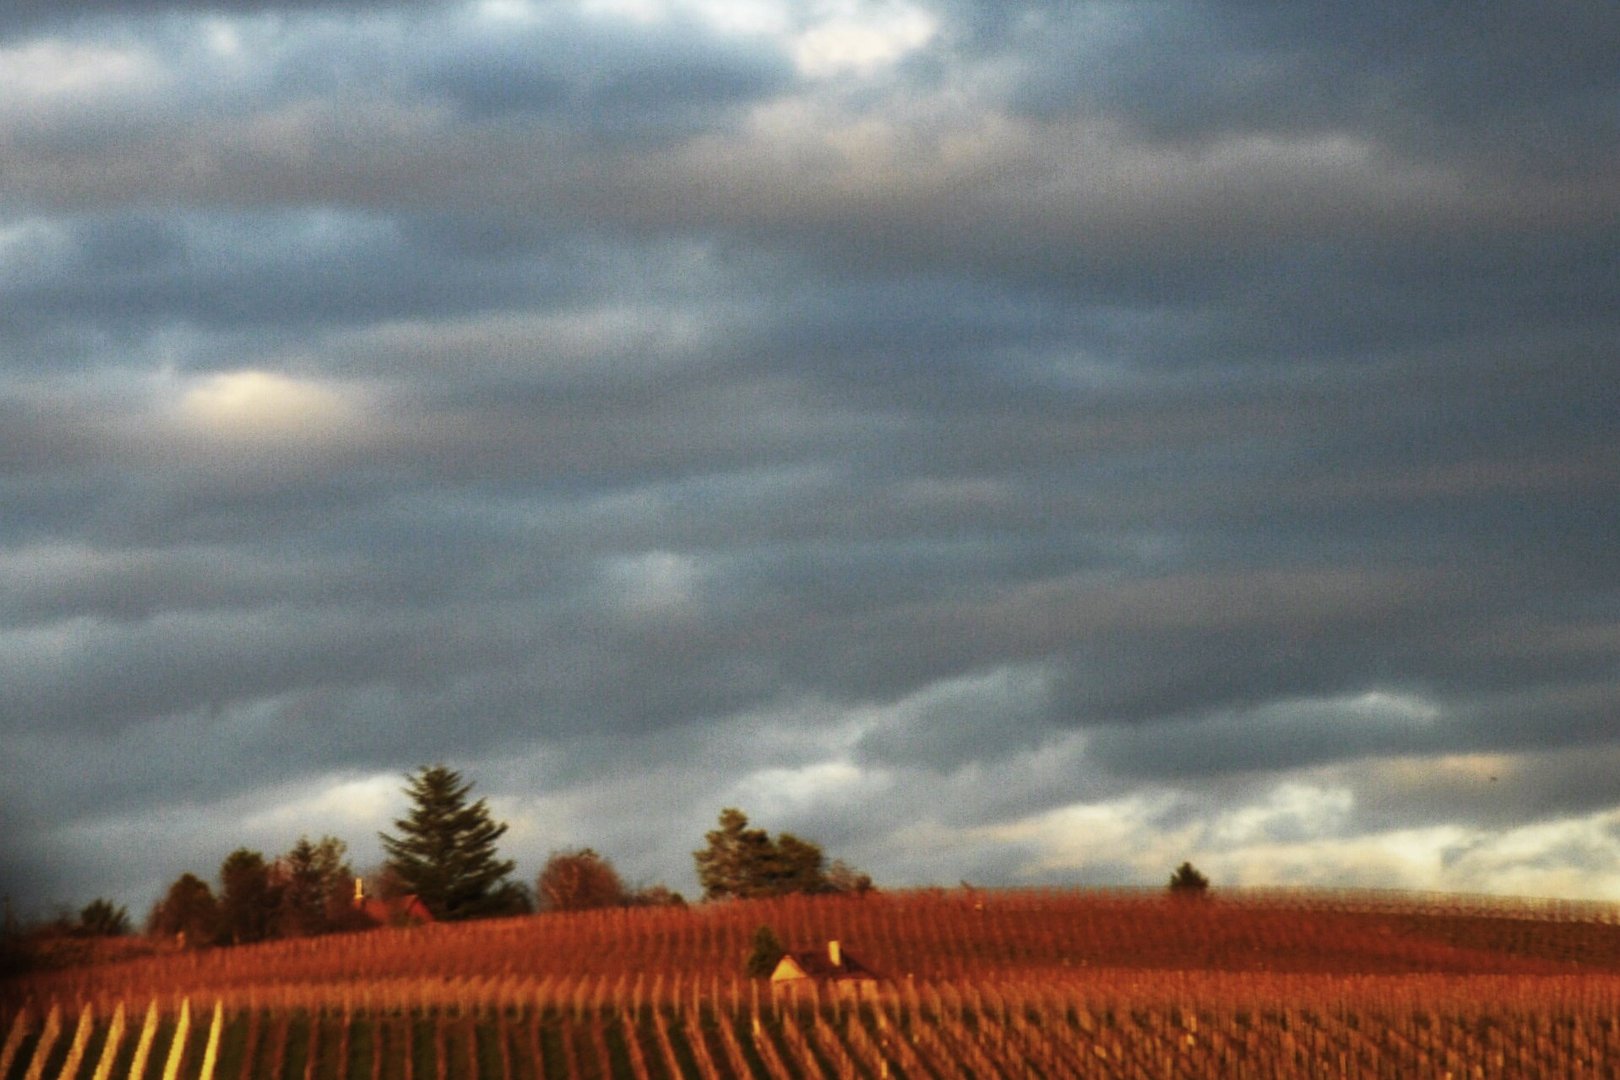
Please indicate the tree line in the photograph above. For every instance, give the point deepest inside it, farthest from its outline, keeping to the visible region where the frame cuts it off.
(743, 863)
(442, 861)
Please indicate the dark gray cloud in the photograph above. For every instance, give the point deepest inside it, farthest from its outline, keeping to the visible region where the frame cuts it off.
(1509, 83)
(650, 84)
(1007, 442)
(74, 16)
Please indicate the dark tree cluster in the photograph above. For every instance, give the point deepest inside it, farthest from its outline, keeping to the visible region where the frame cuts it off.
(102, 918)
(443, 858)
(746, 863)
(66, 938)
(765, 955)
(1188, 883)
(443, 863)
(299, 894)
(581, 880)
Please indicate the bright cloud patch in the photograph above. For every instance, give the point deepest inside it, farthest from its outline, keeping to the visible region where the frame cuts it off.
(828, 38)
(261, 404)
(52, 71)
(1298, 834)
(1567, 858)
(783, 791)
(1087, 834)
(1292, 813)
(654, 582)
(354, 804)
(860, 38)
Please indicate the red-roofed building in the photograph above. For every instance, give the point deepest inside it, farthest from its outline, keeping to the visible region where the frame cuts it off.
(407, 910)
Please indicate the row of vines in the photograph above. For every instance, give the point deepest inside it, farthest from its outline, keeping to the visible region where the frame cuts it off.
(1558, 1028)
(932, 936)
(983, 985)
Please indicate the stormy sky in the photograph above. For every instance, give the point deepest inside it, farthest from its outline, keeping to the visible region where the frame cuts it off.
(1006, 441)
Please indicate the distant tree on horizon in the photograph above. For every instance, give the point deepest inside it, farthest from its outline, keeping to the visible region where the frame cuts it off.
(102, 918)
(247, 900)
(656, 895)
(798, 866)
(745, 863)
(312, 887)
(445, 852)
(1187, 882)
(579, 880)
(188, 912)
(843, 878)
(767, 953)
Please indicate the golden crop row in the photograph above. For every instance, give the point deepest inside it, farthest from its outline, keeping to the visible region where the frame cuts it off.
(597, 1029)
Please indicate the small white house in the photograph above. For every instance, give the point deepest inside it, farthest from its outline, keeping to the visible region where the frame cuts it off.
(835, 965)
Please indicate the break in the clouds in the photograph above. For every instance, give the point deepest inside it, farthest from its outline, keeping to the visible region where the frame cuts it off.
(1022, 443)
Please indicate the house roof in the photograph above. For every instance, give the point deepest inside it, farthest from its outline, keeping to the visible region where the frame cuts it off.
(408, 909)
(815, 964)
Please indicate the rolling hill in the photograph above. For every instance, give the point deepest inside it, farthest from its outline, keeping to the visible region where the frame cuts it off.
(973, 983)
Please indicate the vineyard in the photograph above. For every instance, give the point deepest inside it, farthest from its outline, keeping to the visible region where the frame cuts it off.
(974, 984)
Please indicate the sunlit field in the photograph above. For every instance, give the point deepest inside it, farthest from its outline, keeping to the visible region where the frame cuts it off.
(980, 984)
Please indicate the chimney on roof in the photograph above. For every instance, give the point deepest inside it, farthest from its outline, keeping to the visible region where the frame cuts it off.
(835, 954)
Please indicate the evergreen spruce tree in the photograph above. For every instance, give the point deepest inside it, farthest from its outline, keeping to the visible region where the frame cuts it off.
(445, 852)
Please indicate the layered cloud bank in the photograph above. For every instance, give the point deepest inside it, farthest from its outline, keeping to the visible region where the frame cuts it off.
(1014, 442)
